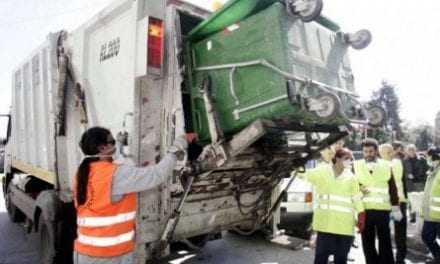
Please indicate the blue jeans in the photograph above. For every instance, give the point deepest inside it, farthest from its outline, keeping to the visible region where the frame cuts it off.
(430, 232)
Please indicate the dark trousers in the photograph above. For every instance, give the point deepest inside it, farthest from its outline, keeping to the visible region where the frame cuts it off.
(400, 235)
(377, 222)
(430, 232)
(332, 244)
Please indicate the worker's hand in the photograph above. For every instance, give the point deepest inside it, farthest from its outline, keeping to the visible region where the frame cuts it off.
(179, 147)
(190, 137)
(396, 214)
(361, 222)
(181, 143)
(364, 190)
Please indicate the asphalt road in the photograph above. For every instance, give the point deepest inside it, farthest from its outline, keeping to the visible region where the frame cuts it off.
(235, 249)
(17, 247)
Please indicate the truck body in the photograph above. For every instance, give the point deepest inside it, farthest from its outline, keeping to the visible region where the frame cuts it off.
(127, 69)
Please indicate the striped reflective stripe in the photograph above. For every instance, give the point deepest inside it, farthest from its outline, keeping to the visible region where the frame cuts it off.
(434, 208)
(336, 198)
(105, 241)
(105, 220)
(435, 199)
(336, 208)
(378, 190)
(357, 198)
(375, 200)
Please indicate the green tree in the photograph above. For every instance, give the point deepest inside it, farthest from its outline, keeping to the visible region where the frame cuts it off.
(424, 137)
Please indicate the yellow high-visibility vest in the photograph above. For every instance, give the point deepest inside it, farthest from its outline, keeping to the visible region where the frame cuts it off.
(434, 203)
(376, 182)
(337, 200)
(397, 168)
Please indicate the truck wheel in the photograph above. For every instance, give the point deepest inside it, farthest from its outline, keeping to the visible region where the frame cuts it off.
(14, 213)
(307, 10)
(47, 243)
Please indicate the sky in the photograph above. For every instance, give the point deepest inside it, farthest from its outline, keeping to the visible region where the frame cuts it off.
(404, 51)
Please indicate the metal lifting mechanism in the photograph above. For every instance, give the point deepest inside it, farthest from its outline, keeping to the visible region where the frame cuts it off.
(173, 220)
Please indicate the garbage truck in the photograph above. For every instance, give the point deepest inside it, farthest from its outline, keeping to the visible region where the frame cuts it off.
(263, 84)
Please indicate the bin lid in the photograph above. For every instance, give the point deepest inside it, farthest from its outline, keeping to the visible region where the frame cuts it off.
(232, 12)
(236, 10)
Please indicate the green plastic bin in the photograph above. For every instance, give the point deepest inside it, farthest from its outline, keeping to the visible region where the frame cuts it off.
(309, 50)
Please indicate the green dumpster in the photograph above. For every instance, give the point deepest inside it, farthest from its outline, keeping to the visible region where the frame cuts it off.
(263, 67)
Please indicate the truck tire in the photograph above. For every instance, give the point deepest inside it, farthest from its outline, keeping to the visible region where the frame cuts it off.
(47, 242)
(66, 234)
(14, 213)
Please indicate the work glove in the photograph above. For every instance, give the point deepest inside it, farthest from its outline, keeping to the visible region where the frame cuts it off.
(361, 222)
(364, 190)
(179, 147)
(396, 214)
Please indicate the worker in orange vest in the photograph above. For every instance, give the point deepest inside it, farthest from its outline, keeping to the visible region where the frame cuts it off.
(105, 197)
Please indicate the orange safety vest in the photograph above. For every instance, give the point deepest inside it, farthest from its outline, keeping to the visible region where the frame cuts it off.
(105, 229)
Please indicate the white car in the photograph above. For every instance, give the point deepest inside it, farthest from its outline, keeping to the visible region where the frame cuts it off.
(297, 207)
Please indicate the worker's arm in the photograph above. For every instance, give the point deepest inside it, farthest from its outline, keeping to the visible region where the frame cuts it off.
(392, 190)
(130, 179)
(311, 175)
(357, 197)
(404, 178)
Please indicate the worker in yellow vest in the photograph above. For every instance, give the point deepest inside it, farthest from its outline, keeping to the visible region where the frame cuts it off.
(379, 199)
(337, 207)
(327, 156)
(393, 154)
(431, 206)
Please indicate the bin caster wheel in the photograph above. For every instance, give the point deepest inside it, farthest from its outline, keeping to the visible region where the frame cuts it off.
(376, 116)
(359, 40)
(325, 106)
(307, 10)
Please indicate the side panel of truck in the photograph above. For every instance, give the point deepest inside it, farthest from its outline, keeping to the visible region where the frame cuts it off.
(33, 110)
